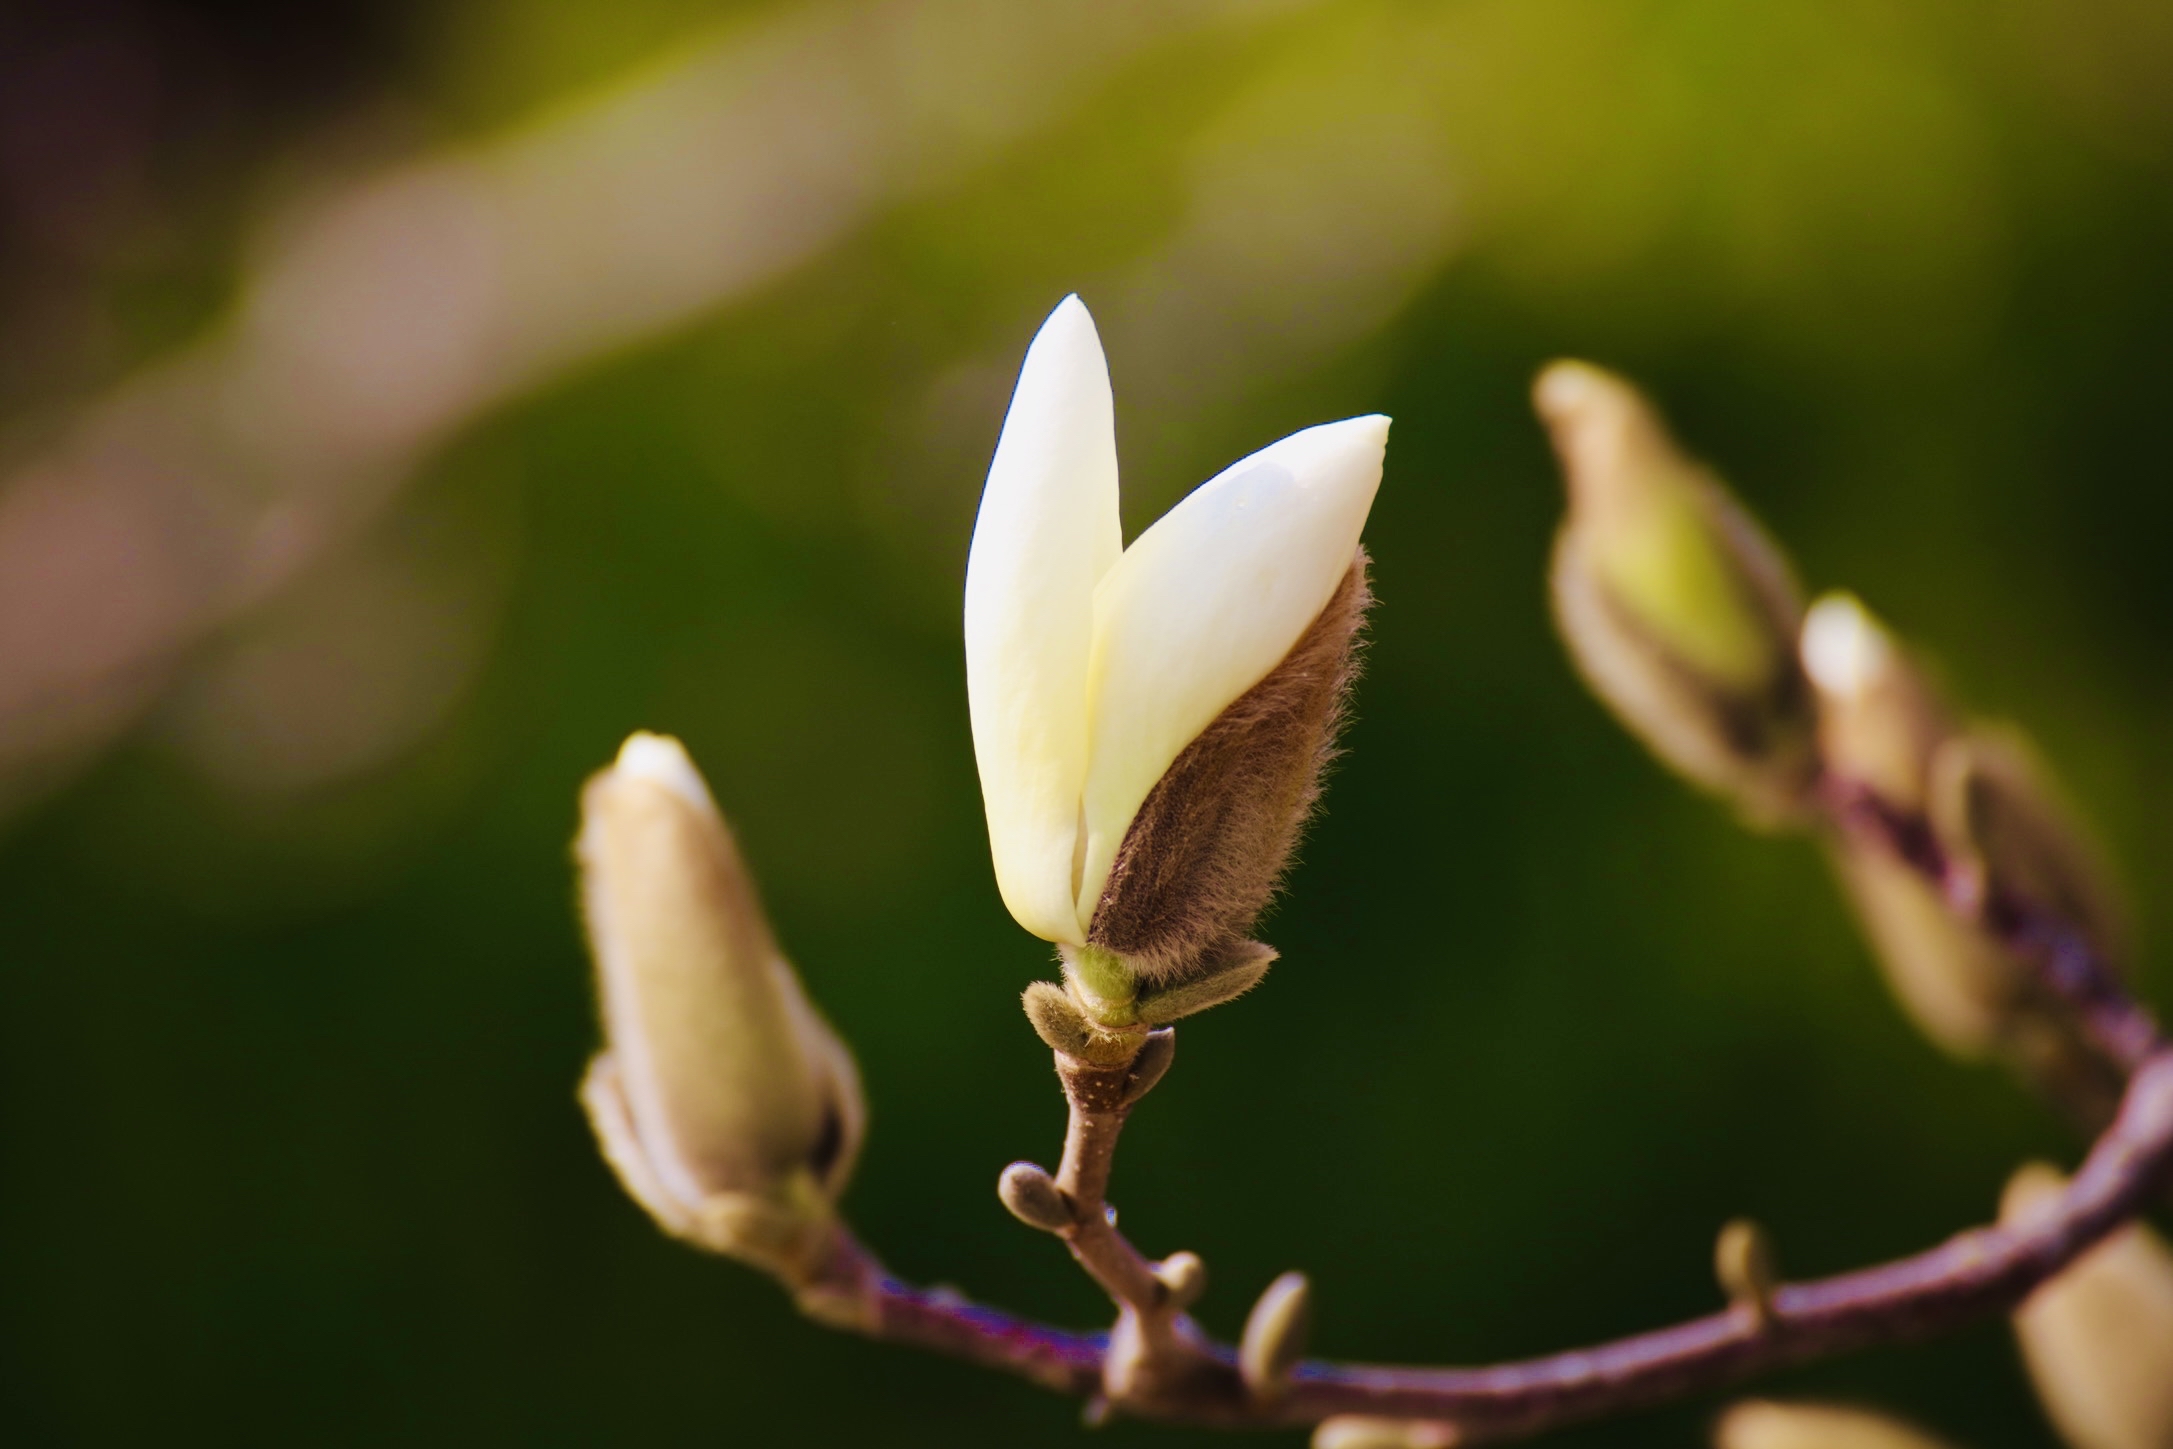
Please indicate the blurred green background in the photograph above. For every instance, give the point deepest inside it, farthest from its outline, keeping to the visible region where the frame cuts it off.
(290, 982)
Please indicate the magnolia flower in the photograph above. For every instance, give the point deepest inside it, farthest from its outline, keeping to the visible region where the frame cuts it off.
(723, 1100)
(1092, 667)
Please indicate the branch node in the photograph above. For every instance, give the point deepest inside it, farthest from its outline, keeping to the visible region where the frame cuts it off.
(1743, 1260)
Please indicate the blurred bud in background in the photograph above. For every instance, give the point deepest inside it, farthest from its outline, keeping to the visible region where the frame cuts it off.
(1884, 725)
(725, 1103)
(2099, 1338)
(1679, 611)
(1765, 1424)
(1880, 718)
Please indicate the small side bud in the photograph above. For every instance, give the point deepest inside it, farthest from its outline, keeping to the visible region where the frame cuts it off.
(1678, 610)
(1209, 846)
(1365, 1431)
(1034, 1198)
(2099, 1338)
(1184, 1277)
(1744, 1262)
(725, 1103)
(1153, 1062)
(1275, 1336)
(1764, 1424)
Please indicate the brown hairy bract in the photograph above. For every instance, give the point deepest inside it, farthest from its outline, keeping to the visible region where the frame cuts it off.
(1210, 845)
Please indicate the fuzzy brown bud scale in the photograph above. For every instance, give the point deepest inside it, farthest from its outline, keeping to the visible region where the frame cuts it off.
(1209, 847)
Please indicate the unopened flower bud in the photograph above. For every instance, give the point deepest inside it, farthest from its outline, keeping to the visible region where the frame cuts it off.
(728, 1107)
(1679, 611)
(1150, 722)
(2099, 1337)
(1884, 725)
(1764, 1424)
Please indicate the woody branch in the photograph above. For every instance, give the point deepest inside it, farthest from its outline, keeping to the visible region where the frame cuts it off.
(1979, 1272)
(1142, 810)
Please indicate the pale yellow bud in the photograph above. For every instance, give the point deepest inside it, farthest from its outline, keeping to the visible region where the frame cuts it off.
(1879, 715)
(1884, 725)
(728, 1107)
(1764, 1424)
(2099, 1338)
(1679, 611)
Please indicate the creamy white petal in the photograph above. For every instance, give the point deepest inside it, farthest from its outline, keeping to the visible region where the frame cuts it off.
(1206, 602)
(1048, 531)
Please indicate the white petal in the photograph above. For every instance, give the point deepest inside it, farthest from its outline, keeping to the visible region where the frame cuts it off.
(1047, 533)
(1205, 603)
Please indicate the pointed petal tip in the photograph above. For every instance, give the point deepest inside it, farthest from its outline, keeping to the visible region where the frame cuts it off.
(662, 760)
(1069, 316)
(1336, 446)
(1365, 428)
(1568, 386)
(1844, 647)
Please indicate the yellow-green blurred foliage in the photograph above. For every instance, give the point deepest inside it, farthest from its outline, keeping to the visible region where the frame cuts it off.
(570, 368)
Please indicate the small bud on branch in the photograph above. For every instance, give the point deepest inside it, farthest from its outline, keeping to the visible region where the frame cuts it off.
(1275, 1335)
(1743, 1260)
(1034, 1198)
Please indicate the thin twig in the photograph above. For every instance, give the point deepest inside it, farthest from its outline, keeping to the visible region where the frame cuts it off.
(1098, 1109)
(1186, 1377)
